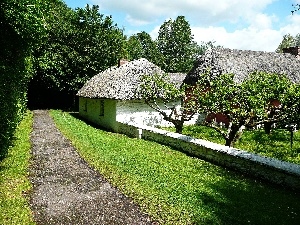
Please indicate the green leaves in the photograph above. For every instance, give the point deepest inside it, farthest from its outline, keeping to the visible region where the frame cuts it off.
(176, 43)
(261, 98)
(159, 86)
(160, 93)
(141, 45)
(288, 41)
(22, 28)
(80, 43)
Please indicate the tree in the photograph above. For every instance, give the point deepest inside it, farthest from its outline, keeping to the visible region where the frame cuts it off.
(80, 44)
(247, 104)
(159, 92)
(296, 8)
(288, 41)
(141, 45)
(134, 49)
(176, 43)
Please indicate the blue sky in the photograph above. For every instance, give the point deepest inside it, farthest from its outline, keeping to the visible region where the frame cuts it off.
(240, 24)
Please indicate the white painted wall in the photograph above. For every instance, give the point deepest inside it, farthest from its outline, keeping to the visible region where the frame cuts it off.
(135, 112)
(139, 113)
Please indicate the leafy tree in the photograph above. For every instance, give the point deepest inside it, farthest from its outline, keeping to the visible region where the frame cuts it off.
(80, 44)
(22, 28)
(296, 8)
(176, 43)
(247, 104)
(159, 92)
(141, 45)
(134, 48)
(288, 41)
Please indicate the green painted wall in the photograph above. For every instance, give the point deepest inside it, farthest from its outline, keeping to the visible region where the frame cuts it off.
(99, 111)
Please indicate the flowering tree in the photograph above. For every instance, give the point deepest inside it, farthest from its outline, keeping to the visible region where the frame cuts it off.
(159, 92)
(247, 104)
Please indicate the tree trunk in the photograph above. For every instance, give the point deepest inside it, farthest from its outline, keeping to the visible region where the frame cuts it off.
(268, 127)
(179, 126)
(229, 142)
(234, 134)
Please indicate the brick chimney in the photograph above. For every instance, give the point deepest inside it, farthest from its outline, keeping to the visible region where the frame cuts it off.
(122, 62)
(292, 50)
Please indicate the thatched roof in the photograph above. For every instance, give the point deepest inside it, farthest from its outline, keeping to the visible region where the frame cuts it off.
(122, 82)
(242, 62)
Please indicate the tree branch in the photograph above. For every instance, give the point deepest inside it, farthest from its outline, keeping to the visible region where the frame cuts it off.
(215, 127)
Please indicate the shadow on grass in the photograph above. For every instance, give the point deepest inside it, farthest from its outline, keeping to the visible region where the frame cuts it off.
(6, 144)
(249, 203)
(277, 144)
(94, 125)
(276, 135)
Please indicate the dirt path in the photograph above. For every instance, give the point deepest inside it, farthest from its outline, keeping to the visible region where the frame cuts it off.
(66, 190)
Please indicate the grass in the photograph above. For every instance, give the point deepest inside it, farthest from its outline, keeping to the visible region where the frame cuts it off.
(276, 145)
(14, 181)
(174, 188)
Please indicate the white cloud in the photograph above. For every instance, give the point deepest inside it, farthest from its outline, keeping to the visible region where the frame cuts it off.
(293, 25)
(257, 36)
(136, 22)
(246, 39)
(205, 12)
(262, 21)
(240, 24)
(154, 32)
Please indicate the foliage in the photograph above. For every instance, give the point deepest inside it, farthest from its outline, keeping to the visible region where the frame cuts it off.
(247, 104)
(80, 44)
(159, 92)
(141, 45)
(296, 8)
(174, 50)
(22, 29)
(176, 43)
(174, 188)
(288, 41)
(14, 183)
(134, 49)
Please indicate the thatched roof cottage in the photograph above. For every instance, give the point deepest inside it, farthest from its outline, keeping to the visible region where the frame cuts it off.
(242, 62)
(111, 96)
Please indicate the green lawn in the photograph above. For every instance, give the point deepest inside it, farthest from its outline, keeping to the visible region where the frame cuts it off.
(14, 183)
(276, 145)
(177, 189)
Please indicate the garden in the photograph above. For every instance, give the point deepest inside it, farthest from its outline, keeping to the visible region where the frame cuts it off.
(276, 145)
(51, 50)
(174, 188)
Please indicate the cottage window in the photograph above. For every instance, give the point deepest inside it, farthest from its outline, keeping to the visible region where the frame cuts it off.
(101, 108)
(85, 106)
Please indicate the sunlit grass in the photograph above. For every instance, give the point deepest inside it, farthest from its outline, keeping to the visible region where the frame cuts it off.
(174, 188)
(14, 183)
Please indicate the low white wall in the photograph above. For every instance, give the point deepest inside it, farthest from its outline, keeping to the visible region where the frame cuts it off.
(272, 170)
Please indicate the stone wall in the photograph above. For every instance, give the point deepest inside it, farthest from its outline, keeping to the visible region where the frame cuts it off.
(272, 170)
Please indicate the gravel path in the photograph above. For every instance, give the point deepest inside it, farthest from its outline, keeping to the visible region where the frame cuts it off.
(66, 190)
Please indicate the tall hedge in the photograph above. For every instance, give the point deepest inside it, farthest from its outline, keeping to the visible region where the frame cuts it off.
(21, 28)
